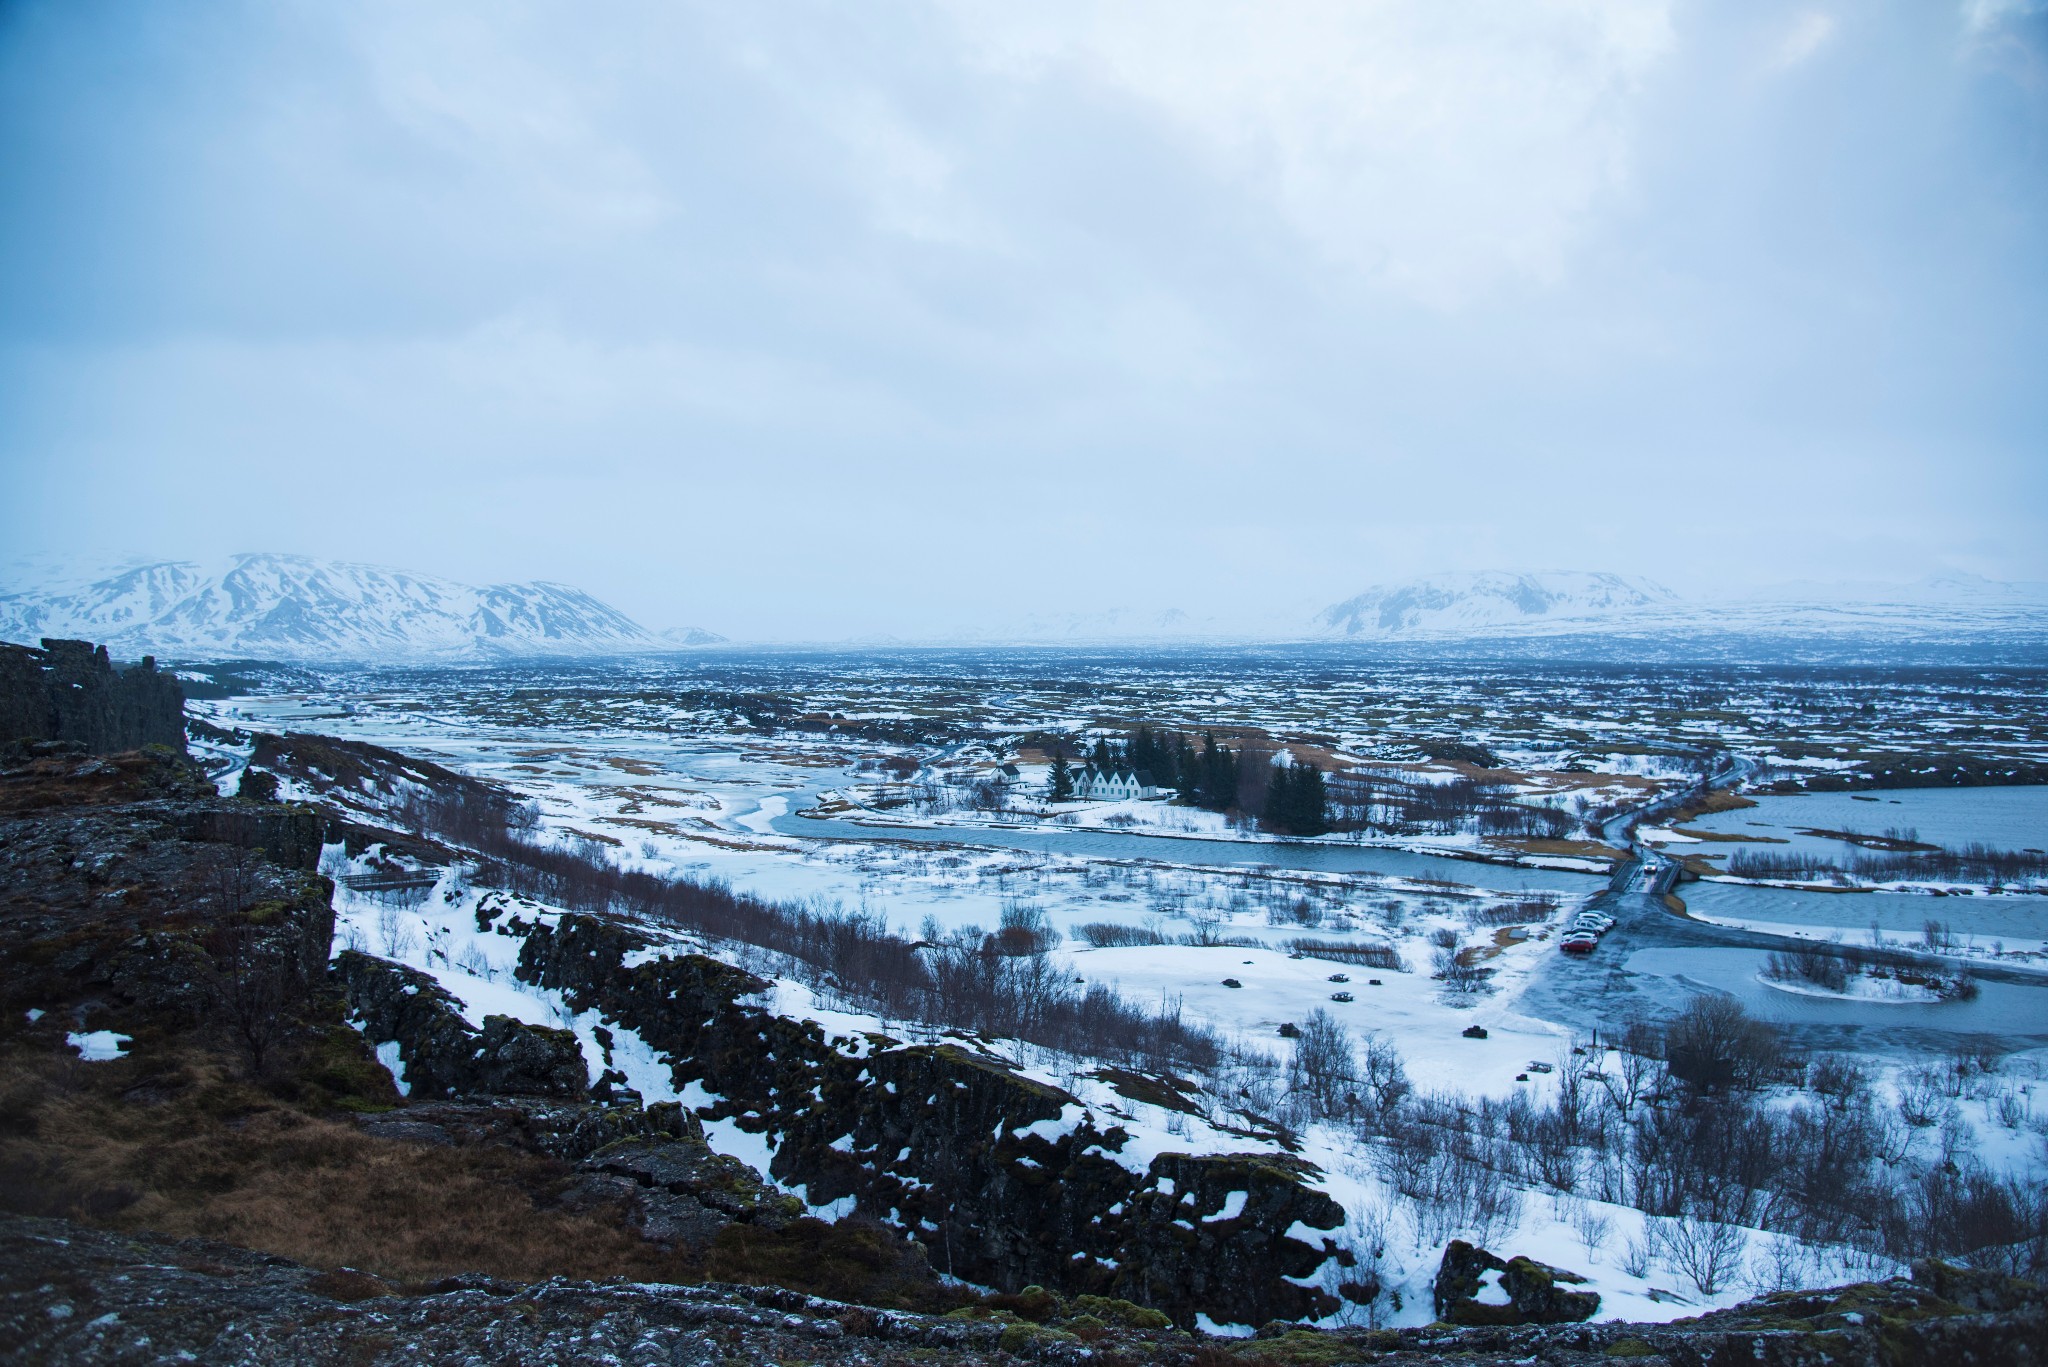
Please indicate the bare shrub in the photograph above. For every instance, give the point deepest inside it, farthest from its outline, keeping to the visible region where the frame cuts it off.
(1714, 1044)
(1706, 1252)
(1321, 1074)
(1346, 952)
(1111, 935)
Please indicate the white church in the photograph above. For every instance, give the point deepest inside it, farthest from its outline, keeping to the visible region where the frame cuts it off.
(1116, 785)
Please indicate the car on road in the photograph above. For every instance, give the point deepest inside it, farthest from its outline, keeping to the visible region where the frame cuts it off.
(1579, 942)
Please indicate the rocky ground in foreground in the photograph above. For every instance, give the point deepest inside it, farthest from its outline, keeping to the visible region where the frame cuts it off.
(73, 1295)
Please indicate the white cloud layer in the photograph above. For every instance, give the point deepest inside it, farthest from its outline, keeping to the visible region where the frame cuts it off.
(811, 319)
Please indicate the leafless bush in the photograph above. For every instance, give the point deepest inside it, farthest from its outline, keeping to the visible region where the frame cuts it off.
(1322, 1074)
(1111, 935)
(1366, 955)
(1714, 1044)
(1706, 1252)
(1922, 1102)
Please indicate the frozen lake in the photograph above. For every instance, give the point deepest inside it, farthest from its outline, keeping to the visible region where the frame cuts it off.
(1318, 858)
(2013, 818)
(2004, 1009)
(2018, 921)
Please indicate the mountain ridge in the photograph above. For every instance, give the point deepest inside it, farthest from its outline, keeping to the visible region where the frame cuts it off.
(301, 608)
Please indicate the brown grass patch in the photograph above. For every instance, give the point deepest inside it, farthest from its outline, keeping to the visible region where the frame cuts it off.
(1709, 802)
(1719, 837)
(224, 1159)
(1578, 849)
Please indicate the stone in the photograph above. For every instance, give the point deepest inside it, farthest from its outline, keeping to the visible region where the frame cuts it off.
(1532, 1290)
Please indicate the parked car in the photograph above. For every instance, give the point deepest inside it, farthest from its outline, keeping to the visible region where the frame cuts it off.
(1579, 942)
(1340, 977)
(1340, 996)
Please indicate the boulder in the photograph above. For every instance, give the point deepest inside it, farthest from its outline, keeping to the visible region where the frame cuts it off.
(442, 1054)
(1474, 1286)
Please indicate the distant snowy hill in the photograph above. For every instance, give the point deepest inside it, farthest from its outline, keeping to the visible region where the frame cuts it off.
(1479, 603)
(1501, 604)
(297, 608)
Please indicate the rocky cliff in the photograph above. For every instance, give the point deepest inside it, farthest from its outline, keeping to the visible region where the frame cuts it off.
(69, 691)
(1007, 1181)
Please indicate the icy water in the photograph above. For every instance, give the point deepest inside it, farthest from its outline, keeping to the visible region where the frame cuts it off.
(2009, 1009)
(1219, 853)
(2013, 818)
(2015, 920)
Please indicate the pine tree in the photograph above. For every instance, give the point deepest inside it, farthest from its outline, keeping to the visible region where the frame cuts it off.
(1280, 805)
(1101, 758)
(1311, 802)
(1061, 788)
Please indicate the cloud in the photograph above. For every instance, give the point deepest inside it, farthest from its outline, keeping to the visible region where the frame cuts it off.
(1804, 37)
(1437, 150)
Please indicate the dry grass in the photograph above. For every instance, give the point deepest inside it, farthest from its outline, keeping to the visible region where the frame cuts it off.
(1707, 803)
(1577, 849)
(180, 1145)
(202, 1153)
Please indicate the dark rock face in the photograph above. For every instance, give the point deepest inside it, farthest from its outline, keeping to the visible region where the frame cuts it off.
(940, 1139)
(443, 1055)
(1534, 1295)
(70, 691)
(112, 915)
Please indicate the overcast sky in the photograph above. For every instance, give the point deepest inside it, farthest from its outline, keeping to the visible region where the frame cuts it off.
(805, 319)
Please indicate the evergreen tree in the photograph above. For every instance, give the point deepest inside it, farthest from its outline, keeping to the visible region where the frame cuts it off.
(1310, 802)
(1280, 807)
(1102, 759)
(1187, 773)
(1218, 786)
(1061, 786)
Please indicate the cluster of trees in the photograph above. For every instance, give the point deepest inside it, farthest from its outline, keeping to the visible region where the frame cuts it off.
(1297, 802)
(1292, 799)
(1363, 802)
(1972, 863)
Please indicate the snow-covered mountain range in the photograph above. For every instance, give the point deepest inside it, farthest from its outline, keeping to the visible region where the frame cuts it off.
(1557, 603)
(1467, 604)
(296, 608)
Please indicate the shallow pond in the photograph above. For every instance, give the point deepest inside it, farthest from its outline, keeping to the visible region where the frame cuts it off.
(2009, 1009)
(2020, 922)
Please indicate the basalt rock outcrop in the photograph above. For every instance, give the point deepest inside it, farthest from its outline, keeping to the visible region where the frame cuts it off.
(70, 691)
(1524, 1290)
(1006, 1180)
(133, 899)
(442, 1054)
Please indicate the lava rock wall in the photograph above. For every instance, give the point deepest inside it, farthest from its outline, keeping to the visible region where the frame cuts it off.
(938, 1138)
(70, 691)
